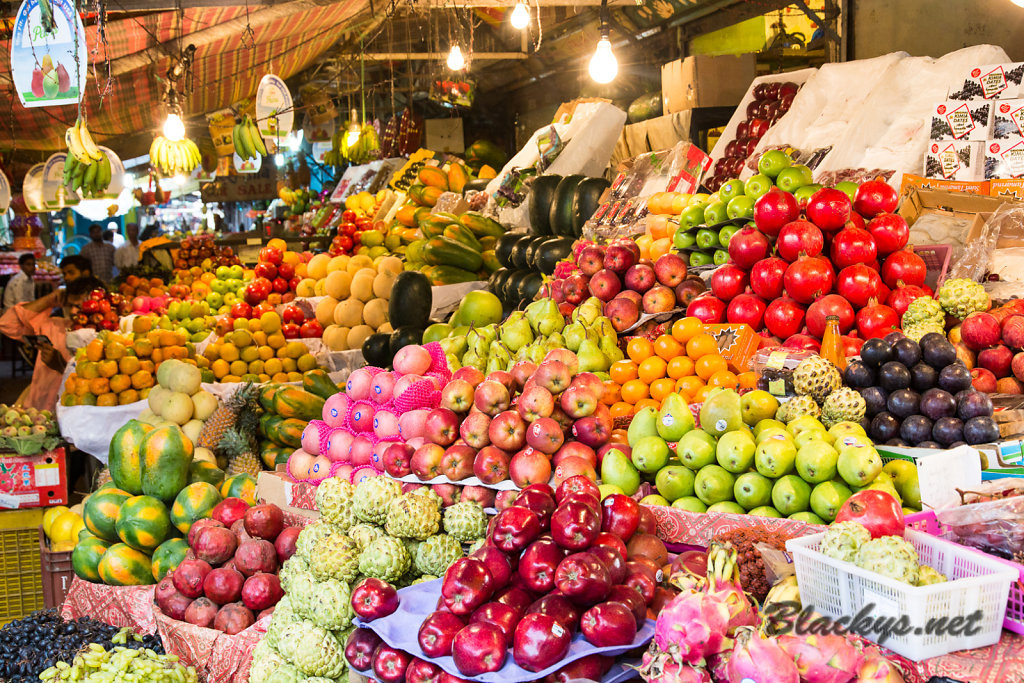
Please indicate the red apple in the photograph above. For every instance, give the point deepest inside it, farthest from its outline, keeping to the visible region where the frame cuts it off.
(373, 599)
(540, 642)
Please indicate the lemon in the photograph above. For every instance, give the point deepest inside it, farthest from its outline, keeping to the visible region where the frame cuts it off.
(250, 353)
(296, 349)
(239, 367)
(306, 362)
(229, 352)
(77, 529)
(241, 338)
(62, 527)
(52, 514)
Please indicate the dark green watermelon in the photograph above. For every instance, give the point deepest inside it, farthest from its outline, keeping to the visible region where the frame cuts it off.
(533, 251)
(377, 350)
(560, 215)
(503, 248)
(585, 201)
(519, 252)
(541, 192)
(551, 252)
(529, 286)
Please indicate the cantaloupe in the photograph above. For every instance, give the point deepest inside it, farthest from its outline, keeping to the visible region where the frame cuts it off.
(317, 266)
(193, 428)
(306, 287)
(382, 284)
(358, 262)
(349, 313)
(338, 284)
(391, 264)
(204, 454)
(336, 337)
(325, 311)
(362, 285)
(357, 335)
(156, 398)
(205, 403)
(375, 312)
(338, 263)
(320, 288)
(177, 407)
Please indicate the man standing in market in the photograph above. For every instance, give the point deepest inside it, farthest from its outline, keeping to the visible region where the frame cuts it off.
(74, 267)
(127, 255)
(100, 254)
(21, 288)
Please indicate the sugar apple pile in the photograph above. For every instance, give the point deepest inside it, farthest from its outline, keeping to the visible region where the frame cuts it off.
(816, 377)
(890, 556)
(436, 554)
(843, 404)
(410, 516)
(960, 297)
(928, 576)
(843, 540)
(466, 521)
(797, 406)
(371, 499)
(334, 500)
(923, 315)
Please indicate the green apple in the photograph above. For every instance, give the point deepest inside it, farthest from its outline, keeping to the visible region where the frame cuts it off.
(480, 308)
(720, 257)
(775, 458)
(674, 482)
(699, 258)
(683, 239)
(727, 507)
(827, 497)
(234, 283)
(791, 494)
(757, 186)
(230, 298)
(654, 499)
(730, 190)
(849, 188)
(752, 490)
(740, 207)
(765, 511)
(707, 239)
(794, 177)
(726, 233)
(690, 504)
(236, 272)
(735, 451)
(713, 484)
(715, 213)
(804, 192)
(816, 461)
(773, 162)
(436, 332)
(222, 272)
(698, 198)
(692, 216)
(696, 449)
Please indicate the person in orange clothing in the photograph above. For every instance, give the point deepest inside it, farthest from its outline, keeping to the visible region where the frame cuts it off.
(35, 318)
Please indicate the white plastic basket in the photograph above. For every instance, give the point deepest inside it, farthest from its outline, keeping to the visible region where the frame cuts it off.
(837, 589)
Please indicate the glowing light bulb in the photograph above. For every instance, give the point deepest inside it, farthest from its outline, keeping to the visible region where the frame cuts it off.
(279, 159)
(1018, 3)
(603, 65)
(174, 128)
(456, 62)
(520, 18)
(129, 180)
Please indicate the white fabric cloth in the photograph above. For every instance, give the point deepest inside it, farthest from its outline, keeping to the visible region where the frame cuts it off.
(20, 289)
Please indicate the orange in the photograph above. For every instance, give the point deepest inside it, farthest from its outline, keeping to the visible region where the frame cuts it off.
(612, 393)
(705, 366)
(94, 350)
(100, 385)
(701, 345)
(639, 349)
(702, 394)
(680, 366)
(619, 436)
(646, 403)
(621, 409)
(724, 378)
(747, 380)
(685, 328)
(634, 391)
(660, 247)
(651, 369)
(659, 227)
(689, 385)
(667, 347)
(644, 244)
(660, 388)
(622, 371)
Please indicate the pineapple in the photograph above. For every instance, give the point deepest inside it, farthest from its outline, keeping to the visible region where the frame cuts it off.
(226, 415)
(241, 453)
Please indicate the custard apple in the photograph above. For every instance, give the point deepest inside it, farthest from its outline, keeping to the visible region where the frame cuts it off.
(334, 501)
(429, 494)
(292, 566)
(928, 576)
(466, 521)
(816, 377)
(372, 497)
(960, 297)
(798, 406)
(265, 663)
(437, 553)
(476, 545)
(313, 650)
(335, 557)
(412, 517)
(919, 330)
(332, 606)
(362, 534)
(284, 614)
(843, 404)
(385, 558)
(843, 540)
(303, 593)
(412, 545)
(890, 556)
(923, 310)
(309, 536)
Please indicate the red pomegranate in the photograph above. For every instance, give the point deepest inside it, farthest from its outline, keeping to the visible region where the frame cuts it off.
(826, 306)
(876, 320)
(875, 197)
(799, 238)
(890, 231)
(808, 278)
(858, 284)
(851, 246)
(904, 266)
(766, 277)
(784, 317)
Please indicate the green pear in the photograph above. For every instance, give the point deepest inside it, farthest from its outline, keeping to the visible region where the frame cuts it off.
(650, 454)
(618, 470)
(608, 489)
(721, 412)
(535, 353)
(690, 504)
(806, 423)
(827, 497)
(674, 419)
(592, 359)
(555, 341)
(574, 335)
(550, 320)
(765, 511)
(765, 424)
(883, 482)
(674, 482)
(453, 361)
(644, 423)
(603, 327)
(516, 332)
(534, 311)
(473, 359)
(587, 312)
(610, 348)
(858, 466)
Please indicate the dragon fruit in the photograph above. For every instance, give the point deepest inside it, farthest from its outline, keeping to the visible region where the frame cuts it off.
(692, 626)
(877, 669)
(663, 669)
(822, 659)
(724, 583)
(564, 269)
(760, 660)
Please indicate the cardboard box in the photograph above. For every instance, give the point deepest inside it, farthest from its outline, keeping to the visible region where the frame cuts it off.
(1007, 118)
(955, 160)
(953, 120)
(921, 201)
(294, 497)
(705, 81)
(911, 182)
(991, 81)
(29, 481)
(736, 344)
(1004, 158)
(1011, 189)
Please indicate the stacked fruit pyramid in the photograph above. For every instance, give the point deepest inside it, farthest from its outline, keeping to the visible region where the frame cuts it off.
(367, 535)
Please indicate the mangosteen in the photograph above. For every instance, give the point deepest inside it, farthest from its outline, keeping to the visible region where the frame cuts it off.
(916, 429)
(954, 378)
(948, 430)
(858, 374)
(897, 442)
(937, 351)
(876, 352)
(903, 403)
(972, 403)
(981, 430)
(875, 399)
(907, 352)
(884, 427)
(894, 375)
(929, 444)
(937, 403)
(923, 377)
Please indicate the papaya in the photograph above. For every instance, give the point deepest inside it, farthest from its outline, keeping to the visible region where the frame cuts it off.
(441, 251)
(481, 225)
(433, 176)
(168, 556)
(488, 242)
(490, 261)
(415, 193)
(414, 252)
(143, 522)
(85, 558)
(267, 397)
(240, 486)
(407, 215)
(318, 382)
(486, 173)
(166, 455)
(194, 502)
(122, 565)
(431, 194)
(434, 225)
(291, 401)
(485, 152)
(288, 432)
(458, 176)
(267, 422)
(125, 462)
(461, 233)
(450, 275)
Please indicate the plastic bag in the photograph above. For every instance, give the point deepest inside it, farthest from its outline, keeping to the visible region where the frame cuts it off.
(995, 527)
(774, 368)
(974, 263)
(996, 489)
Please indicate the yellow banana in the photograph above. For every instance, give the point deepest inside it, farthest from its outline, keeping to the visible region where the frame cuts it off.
(259, 145)
(74, 144)
(248, 148)
(87, 142)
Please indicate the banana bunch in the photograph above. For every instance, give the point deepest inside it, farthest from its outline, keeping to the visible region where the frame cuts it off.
(173, 157)
(92, 179)
(365, 149)
(335, 156)
(80, 144)
(248, 140)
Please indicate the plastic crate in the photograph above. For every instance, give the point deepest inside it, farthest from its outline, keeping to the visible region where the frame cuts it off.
(936, 260)
(839, 589)
(927, 522)
(21, 580)
(57, 573)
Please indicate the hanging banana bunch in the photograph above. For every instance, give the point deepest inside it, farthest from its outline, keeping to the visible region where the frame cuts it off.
(86, 167)
(335, 157)
(172, 157)
(365, 148)
(247, 139)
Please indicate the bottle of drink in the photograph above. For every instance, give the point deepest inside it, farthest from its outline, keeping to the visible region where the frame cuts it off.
(832, 344)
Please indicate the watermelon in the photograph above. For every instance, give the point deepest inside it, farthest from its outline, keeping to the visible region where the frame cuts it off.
(166, 455)
(101, 510)
(125, 462)
(200, 470)
(168, 556)
(194, 502)
(240, 486)
(85, 558)
(122, 565)
(143, 523)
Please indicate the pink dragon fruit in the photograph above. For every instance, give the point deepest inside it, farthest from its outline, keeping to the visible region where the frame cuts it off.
(823, 659)
(564, 269)
(877, 669)
(757, 659)
(578, 246)
(724, 583)
(692, 626)
(718, 666)
(663, 669)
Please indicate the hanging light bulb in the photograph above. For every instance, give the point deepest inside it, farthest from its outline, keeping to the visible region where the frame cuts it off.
(1018, 3)
(174, 128)
(520, 18)
(456, 62)
(603, 65)
(279, 159)
(352, 136)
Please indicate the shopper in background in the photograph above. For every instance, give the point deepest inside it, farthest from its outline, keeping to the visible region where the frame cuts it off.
(100, 254)
(21, 287)
(74, 267)
(127, 255)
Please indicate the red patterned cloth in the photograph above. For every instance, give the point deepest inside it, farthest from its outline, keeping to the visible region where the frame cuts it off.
(692, 528)
(217, 657)
(114, 605)
(1000, 663)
